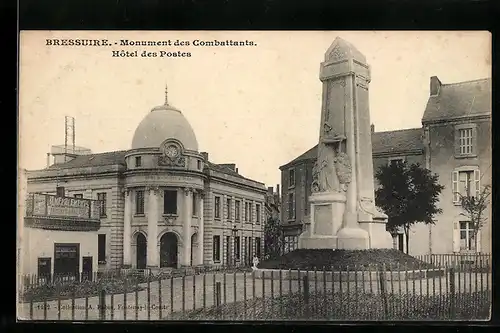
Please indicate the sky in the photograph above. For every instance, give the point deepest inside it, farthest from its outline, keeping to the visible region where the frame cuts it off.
(256, 106)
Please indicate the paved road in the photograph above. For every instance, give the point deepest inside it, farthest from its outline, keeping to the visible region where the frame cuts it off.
(193, 292)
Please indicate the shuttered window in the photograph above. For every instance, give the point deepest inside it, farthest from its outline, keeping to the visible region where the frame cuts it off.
(465, 182)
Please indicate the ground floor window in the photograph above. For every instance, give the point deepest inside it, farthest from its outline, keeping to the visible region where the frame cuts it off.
(291, 243)
(257, 247)
(216, 248)
(467, 238)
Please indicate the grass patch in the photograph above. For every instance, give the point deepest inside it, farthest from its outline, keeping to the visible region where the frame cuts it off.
(310, 259)
(349, 307)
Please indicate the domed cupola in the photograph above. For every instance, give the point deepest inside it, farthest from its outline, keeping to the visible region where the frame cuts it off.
(162, 123)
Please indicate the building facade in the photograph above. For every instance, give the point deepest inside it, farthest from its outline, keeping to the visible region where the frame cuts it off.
(454, 142)
(164, 204)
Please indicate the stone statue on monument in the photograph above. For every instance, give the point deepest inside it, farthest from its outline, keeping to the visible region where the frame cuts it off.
(332, 170)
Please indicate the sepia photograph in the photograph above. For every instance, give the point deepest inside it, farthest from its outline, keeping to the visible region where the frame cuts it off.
(254, 176)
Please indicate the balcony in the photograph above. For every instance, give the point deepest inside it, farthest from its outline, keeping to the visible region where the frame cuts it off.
(51, 212)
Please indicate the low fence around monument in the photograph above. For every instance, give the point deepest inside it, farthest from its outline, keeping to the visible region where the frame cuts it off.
(452, 292)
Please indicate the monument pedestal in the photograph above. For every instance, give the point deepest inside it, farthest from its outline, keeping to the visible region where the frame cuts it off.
(380, 238)
(327, 211)
(350, 238)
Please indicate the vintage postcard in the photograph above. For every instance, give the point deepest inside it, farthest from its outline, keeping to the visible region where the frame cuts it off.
(254, 176)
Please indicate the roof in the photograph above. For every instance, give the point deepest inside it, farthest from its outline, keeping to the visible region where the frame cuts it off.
(164, 122)
(93, 160)
(118, 158)
(382, 142)
(459, 99)
(226, 169)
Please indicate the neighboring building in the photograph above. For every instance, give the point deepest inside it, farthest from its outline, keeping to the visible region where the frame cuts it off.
(273, 203)
(163, 203)
(454, 142)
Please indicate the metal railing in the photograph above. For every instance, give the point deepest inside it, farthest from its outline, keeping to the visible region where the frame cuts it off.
(388, 292)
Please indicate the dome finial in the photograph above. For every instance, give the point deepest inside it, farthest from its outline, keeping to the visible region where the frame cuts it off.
(166, 94)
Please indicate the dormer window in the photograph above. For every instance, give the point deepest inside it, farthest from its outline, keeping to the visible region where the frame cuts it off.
(138, 161)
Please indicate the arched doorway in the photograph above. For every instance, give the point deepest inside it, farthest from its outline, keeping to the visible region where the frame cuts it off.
(168, 250)
(141, 251)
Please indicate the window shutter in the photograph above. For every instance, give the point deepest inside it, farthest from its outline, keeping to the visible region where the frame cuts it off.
(457, 142)
(456, 236)
(477, 182)
(474, 141)
(454, 186)
(478, 243)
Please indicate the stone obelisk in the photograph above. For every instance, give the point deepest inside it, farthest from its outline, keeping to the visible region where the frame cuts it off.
(343, 212)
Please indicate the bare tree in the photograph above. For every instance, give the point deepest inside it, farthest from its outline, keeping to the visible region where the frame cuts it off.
(474, 208)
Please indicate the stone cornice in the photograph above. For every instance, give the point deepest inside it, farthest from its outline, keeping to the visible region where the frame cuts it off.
(164, 172)
(73, 176)
(453, 120)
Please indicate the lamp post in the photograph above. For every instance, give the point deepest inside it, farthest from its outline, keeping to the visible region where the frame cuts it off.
(234, 232)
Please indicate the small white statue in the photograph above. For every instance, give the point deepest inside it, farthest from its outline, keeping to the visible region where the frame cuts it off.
(255, 262)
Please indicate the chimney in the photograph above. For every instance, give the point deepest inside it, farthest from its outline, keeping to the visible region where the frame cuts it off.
(435, 86)
(205, 155)
(270, 190)
(372, 128)
(278, 189)
(48, 160)
(236, 170)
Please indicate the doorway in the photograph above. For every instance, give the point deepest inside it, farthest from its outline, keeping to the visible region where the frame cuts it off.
(401, 242)
(44, 268)
(168, 250)
(67, 260)
(141, 251)
(87, 268)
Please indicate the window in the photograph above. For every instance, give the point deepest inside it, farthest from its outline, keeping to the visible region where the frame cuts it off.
(465, 182)
(199, 164)
(237, 248)
(78, 196)
(395, 161)
(60, 191)
(170, 202)
(228, 249)
(467, 239)
(216, 248)
(291, 178)
(257, 247)
(250, 248)
(250, 212)
(138, 161)
(101, 248)
(195, 205)
(139, 202)
(247, 207)
(228, 209)
(237, 210)
(102, 198)
(217, 208)
(257, 212)
(465, 141)
(291, 206)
